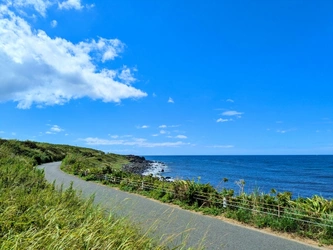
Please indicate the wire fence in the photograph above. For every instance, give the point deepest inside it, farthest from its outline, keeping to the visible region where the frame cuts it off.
(253, 204)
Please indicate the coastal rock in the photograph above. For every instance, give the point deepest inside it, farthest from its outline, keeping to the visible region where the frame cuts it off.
(137, 165)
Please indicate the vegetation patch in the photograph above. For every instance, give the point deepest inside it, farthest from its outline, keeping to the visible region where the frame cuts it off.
(35, 215)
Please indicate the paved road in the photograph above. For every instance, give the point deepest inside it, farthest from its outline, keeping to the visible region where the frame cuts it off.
(170, 224)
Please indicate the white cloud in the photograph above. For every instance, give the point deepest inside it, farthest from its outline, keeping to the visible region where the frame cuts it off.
(230, 100)
(170, 100)
(125, 75)
(70, 4)
(223, 120)
(39, 5)
(283, 131)
(155, 135)
(37, 69)
(144, 126)
(181, 136)
(120, 136)
(54, 23)
(168, 126)
(232, 113)
(136, 142)
(163, 131)
(56, 128)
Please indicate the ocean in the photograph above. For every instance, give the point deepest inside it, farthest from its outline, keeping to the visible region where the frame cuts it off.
(304, 175)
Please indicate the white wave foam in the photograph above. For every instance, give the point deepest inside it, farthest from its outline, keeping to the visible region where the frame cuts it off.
(157, 169)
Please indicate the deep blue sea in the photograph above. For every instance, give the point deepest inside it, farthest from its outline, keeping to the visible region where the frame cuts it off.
(304, 176)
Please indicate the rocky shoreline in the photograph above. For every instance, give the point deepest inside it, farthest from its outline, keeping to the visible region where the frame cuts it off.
(137, 164)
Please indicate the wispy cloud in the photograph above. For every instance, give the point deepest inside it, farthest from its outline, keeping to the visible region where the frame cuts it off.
(2, 132)
(229, 113)
(120, 136)
(283, 131)
(232, 113)
(143, 127)
(224, 120)
(181, 136)
(56, 128)
(170, 100)
(39, 6)
(70, 4)
(169, 126)
(163, 132)
(57, 70)
(139, 142)
(126, 74)
(230, 100)
(54, 23)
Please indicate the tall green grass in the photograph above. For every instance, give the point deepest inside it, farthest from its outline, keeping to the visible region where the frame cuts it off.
(35, 215)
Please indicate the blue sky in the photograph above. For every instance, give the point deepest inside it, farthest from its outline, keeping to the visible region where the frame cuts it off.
(169, 77)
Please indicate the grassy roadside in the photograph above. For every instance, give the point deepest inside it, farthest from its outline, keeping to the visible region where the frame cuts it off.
(310, 218)
(34, 215)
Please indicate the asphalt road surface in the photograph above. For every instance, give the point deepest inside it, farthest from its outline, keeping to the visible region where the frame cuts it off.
(169, 224)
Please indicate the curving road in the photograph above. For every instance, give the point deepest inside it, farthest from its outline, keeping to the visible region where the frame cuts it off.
(169, 224)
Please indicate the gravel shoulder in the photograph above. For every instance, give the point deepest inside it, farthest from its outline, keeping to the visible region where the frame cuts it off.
(170, 224)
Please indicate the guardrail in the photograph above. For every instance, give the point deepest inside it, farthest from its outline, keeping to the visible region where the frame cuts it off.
(225, 202)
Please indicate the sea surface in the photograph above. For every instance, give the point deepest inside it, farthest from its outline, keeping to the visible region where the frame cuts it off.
(304, 176)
